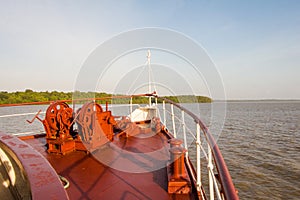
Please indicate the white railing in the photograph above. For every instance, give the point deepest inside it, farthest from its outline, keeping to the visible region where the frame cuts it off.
(209, 154)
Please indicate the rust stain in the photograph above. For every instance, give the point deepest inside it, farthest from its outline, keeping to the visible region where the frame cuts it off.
(29, 155)
(35, 164)
(22, 146)
(43, 178)
(6, 137)
(12, 143)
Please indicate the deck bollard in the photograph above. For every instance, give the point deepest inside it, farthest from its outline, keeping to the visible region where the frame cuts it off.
(179, 182)
(178, 162)
(175, 142)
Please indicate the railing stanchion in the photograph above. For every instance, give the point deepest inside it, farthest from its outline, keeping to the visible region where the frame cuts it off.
(156, 107)
(210, 171)
(184, 132)
(212, 182)
(164, 110)
(173, 120)
(198, 158)
(130, 107)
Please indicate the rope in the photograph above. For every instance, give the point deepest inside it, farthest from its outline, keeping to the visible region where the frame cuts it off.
(64, 181)
(137, 77)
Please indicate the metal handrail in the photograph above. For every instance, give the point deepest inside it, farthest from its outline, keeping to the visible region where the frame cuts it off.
(224, 175)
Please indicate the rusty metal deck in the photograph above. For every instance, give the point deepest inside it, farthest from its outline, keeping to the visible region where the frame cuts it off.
(128, 168)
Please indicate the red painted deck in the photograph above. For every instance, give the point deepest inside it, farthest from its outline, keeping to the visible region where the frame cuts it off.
(128, 168)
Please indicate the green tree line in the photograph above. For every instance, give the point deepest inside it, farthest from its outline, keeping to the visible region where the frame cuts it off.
(28, 96)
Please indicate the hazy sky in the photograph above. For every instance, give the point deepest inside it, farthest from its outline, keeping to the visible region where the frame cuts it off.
(254, 44)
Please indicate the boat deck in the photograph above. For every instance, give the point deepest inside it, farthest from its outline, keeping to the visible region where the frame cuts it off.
(128, 168)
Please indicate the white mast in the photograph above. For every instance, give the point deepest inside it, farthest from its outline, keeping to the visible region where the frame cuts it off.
(149, 74)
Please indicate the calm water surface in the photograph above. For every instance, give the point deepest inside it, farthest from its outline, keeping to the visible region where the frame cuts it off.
(260, 142)
(261, 145)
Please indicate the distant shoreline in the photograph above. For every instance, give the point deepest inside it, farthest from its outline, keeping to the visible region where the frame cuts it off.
(259, 100)
(30, 96)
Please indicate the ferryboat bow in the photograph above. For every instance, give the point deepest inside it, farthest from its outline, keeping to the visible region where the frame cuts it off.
(89, 153)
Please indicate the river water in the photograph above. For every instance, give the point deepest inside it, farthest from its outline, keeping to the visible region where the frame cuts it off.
(260, 142)
(261, 145)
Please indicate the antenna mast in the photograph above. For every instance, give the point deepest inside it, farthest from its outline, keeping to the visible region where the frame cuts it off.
(149, 74)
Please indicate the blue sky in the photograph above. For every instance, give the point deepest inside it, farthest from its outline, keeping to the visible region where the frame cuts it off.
(254, 44)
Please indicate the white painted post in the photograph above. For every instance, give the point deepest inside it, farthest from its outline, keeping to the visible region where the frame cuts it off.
(130, 107)
(156, 107)
(210, 171)
(198, 148)
(173, 120)
(164, 110)
(184, 132)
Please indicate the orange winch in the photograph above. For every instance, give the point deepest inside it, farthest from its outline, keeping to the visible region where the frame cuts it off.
(95, 127)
